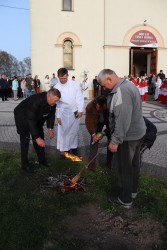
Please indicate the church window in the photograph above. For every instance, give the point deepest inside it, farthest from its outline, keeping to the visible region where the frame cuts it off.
(68, 54)
(67, 5)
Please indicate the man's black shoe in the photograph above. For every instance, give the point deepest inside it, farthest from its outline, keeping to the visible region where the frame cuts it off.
(29, 169)
(92, 169)
(108, 165)
(44, 163)
(116, 200)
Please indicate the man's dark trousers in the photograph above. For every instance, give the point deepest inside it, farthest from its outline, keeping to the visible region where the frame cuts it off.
(4, 94)
(24, 143)
(127, 165)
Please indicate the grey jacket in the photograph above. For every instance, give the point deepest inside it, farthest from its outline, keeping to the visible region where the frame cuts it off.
(125, 113)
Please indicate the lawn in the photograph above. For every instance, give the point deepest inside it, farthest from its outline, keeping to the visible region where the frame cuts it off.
(36, 218)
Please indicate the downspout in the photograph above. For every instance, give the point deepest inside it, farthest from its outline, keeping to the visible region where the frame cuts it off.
(104, 58)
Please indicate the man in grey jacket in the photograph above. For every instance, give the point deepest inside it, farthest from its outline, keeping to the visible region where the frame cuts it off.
(127, 129)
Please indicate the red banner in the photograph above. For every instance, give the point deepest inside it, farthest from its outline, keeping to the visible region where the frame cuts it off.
(143, 38)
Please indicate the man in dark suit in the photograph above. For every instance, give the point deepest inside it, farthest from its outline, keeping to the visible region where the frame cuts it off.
(161, 75)
(30, 116)
(95, 87)
(96, 118)
(4, 87)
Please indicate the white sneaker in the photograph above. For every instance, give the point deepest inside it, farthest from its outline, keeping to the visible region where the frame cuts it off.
(116, 200)
(134, 195)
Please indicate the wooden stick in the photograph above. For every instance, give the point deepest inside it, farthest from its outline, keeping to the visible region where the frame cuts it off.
(77, 176)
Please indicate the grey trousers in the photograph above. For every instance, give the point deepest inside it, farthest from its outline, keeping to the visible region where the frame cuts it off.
(127, 166)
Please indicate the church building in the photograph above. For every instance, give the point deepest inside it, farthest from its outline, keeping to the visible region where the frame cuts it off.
(85, 36)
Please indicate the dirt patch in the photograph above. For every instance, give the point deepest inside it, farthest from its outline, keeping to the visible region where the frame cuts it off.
(121, 230)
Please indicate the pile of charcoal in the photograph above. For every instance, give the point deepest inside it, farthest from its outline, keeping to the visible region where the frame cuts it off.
(64, 184)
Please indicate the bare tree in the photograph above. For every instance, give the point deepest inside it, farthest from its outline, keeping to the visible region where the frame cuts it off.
(22, 68)
(27, 65)
(11, 66)
(8, 64)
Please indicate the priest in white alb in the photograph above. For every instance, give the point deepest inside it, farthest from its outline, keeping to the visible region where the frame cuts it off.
(68, 112)
(85, 87)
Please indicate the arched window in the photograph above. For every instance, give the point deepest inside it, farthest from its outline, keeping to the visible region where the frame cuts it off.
(67, 5)
(68, 54)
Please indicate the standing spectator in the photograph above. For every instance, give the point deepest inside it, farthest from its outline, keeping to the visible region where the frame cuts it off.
(153, 80)
(95, 87)
(73, 78)
(143, 89)
(135, 81)
(95, 120)
(15, 86)
(4, 88)
(30, 85)
(69, 111)
(47, 83)
(53, 81)
(85, 87)
(161, 75)
(24, 88)
(10, 92)
(151, 84)
(127, 129)
(20, 93)
(37, 84)
(158, 85)
(30, 116)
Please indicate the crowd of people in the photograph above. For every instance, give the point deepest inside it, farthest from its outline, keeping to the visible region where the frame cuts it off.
(18, 87)
(155, 85)
(115, 112)
(22, 87)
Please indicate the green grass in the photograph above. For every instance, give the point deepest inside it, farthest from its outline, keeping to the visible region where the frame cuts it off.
(29, 214)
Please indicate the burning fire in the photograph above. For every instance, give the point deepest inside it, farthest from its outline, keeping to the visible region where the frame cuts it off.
(72, 157)
(72, 187)
(65, 183)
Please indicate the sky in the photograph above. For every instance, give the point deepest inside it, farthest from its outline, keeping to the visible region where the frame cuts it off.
(15, 28)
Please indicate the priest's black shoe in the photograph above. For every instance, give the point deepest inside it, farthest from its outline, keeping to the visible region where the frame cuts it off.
(74, 151)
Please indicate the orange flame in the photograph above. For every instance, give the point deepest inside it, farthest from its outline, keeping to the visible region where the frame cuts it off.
(72, 186)
(72, 157)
